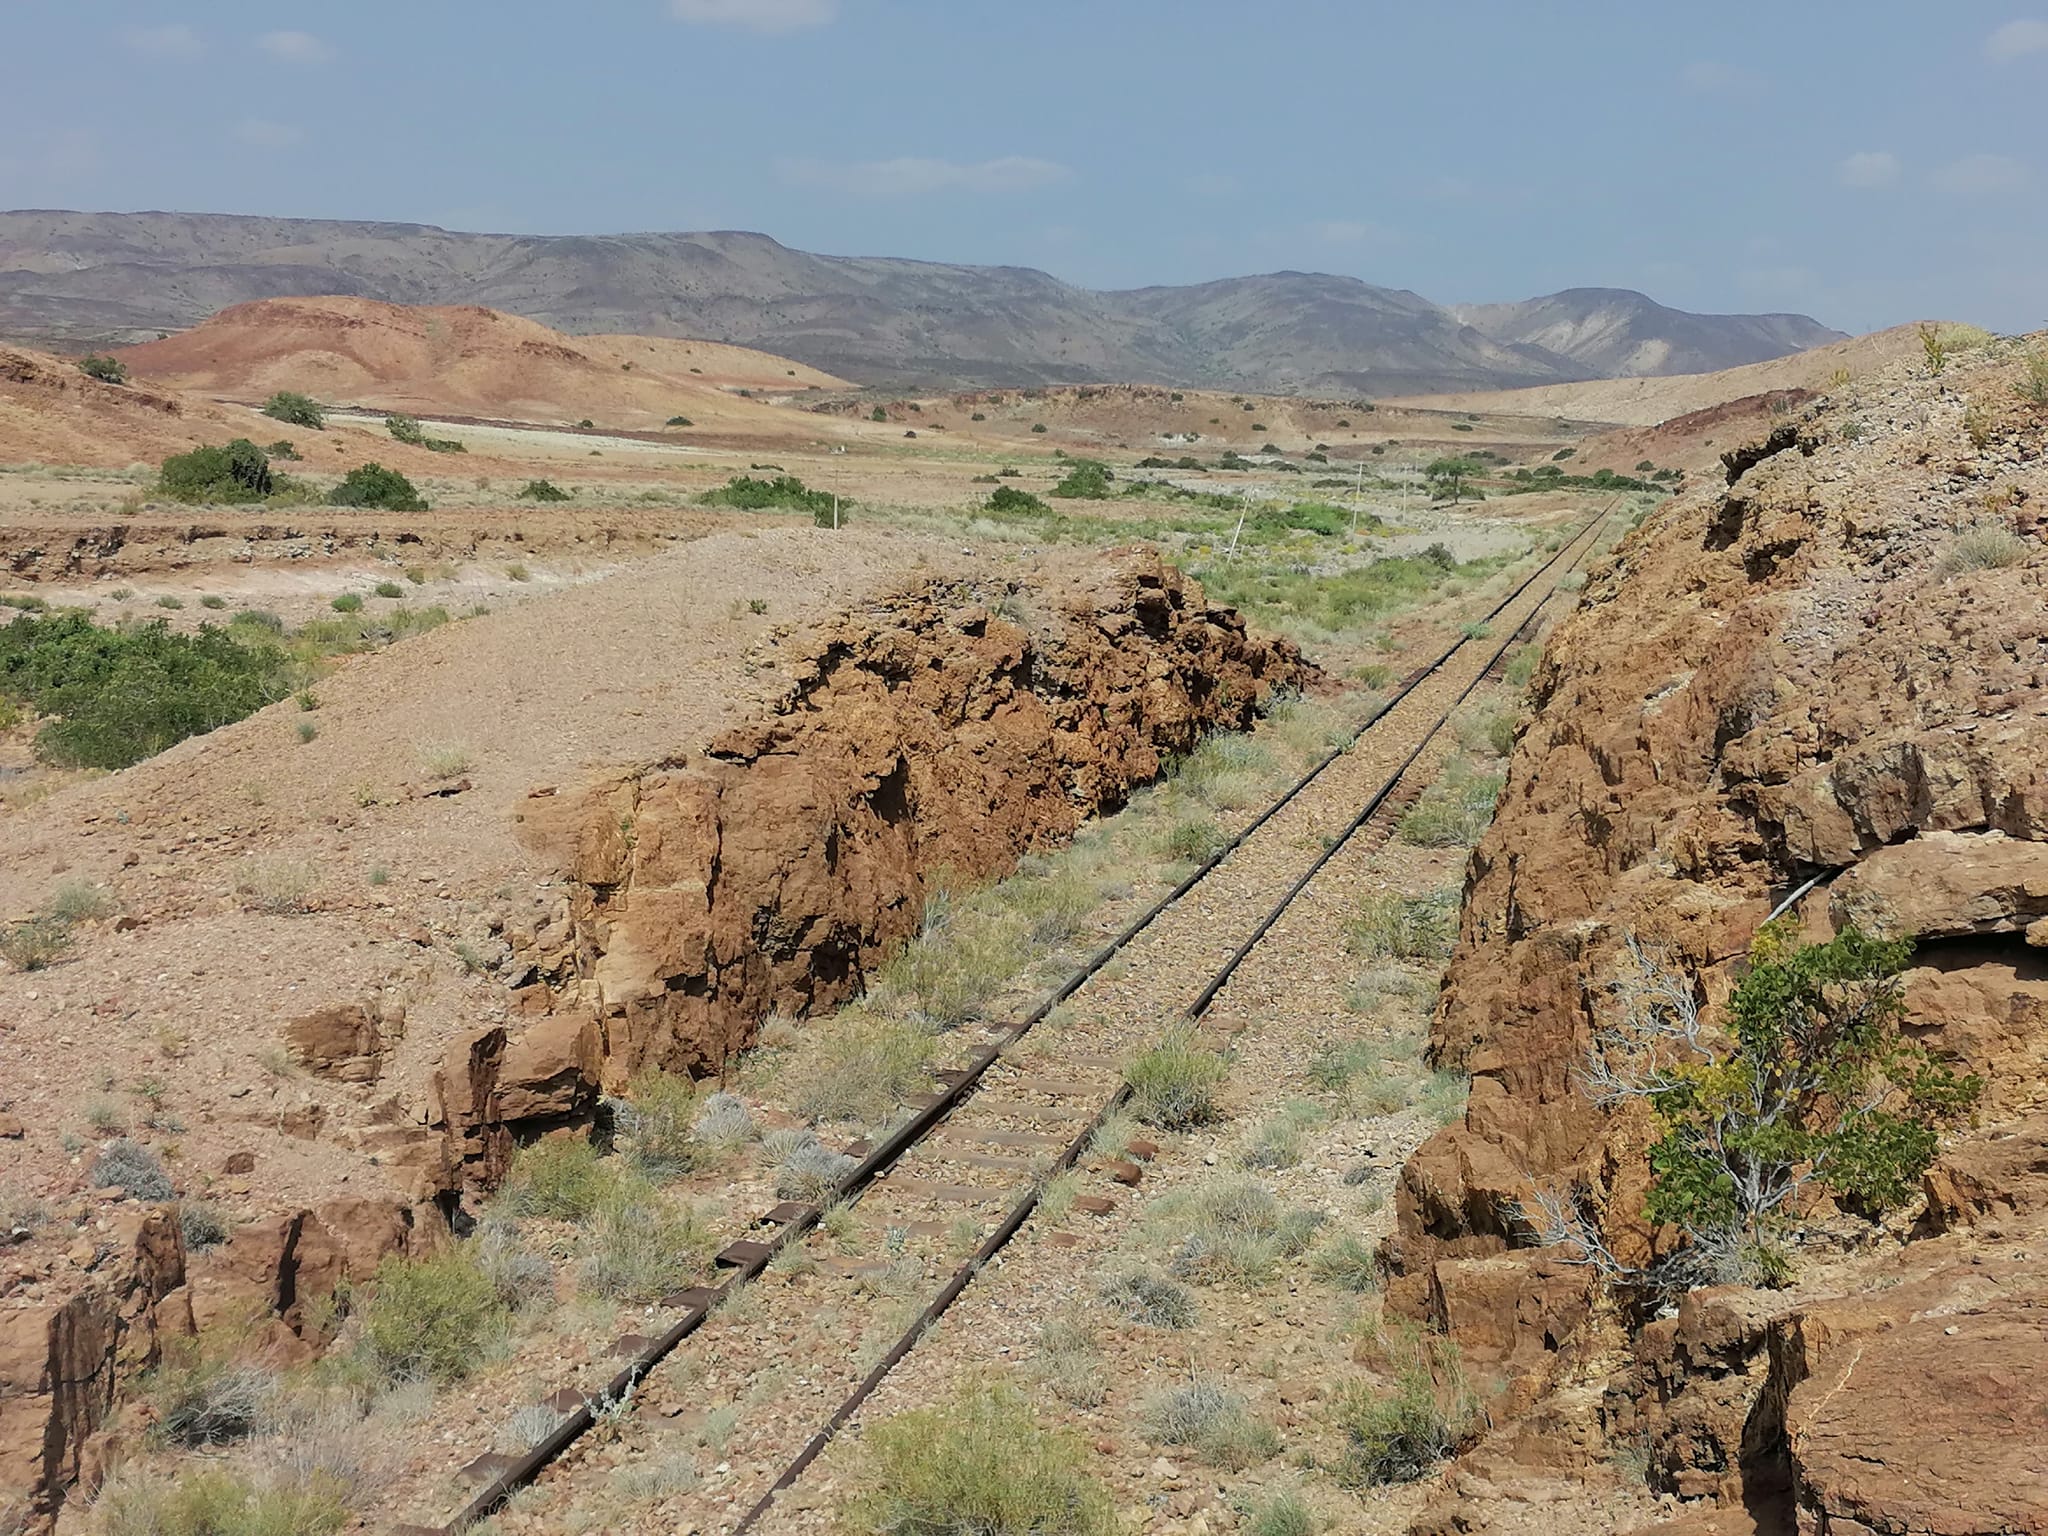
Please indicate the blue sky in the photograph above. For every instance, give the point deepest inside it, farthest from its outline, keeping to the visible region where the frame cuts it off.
(1867, 163)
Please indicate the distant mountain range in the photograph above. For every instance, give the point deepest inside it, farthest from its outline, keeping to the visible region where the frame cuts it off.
(74, 280)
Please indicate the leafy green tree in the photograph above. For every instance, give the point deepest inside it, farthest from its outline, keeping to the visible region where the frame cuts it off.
(406, 429)
(372, 485)
(1087, 481)
(1447, 477)
(108, 370)
(296, 410)
(235, 473)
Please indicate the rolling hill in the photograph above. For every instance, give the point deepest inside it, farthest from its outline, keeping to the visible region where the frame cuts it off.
(72, 280)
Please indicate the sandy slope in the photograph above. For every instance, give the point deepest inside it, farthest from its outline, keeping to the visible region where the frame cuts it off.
(1647, 401)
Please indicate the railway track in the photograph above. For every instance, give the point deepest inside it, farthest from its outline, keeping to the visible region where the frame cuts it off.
(999, 1123)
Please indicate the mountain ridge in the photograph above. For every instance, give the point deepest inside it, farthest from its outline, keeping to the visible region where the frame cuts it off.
(75, 280)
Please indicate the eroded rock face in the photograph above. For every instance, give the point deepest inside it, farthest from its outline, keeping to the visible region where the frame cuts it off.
(1794, 675)
(62, 1361)
(774, 871)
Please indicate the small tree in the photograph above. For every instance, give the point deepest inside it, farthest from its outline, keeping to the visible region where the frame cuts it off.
(878, 414)
(1447, 477)
(108, 370)
(237, 472)
(295, 410)
(1816, 1086)
(406, 429)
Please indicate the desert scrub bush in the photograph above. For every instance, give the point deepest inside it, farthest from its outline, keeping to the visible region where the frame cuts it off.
(35, 943)
(979, 1465)
(1173, 1084)
(1397, 1436)
(1231, 1231)
(295, 410)
(859, 1067)
(221, 1503)
(541, 490)
(276, 886)
(1282, 1512)
(1148, 1297)
(1521, 665)
(199, 1396)
(644, 1246)
(963, 956)
(202, 1225)
(810, 1171)
(1057, 905)
(723, 1123)
(1008, 499)
(1071, 1365)
(236, 473)
(108, 370)
(1390, 926)
(1087, 480)
(1222, 771)
(654, 1124)
(1278, 1140)
(2033, 381)
(1213, 1421)
(389, 589)
(1191, 838)
(1984, 546)
(518, 1276)
(1348, 1262)
(133, 1168)
(1454, 810)
(559, 1179)
(784, 492)
(347, 602)
(1819, 1087)
(1487, 729)
(445, 759)
(433, 1317)
(372, 485)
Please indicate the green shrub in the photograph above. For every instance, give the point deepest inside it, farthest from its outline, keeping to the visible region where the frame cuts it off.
(201, 1397)
(680, 421)
(1282, 1512)
(1173, 1085)
(222, 1503)
(348, 602)
(1007, 498)
(560, 1179)
(1087, 481)
(859, 1066)
(1147, 1297)
(644, 1246)
(1278, 1141)
(236, 473)
(372, 485)
(1397, 1437)
(116, 696)
(1213, 1421)
(431, 1317)
(654, 1124)
(980, 1465)
(878, 414)
(1390, 926)
(1453, 811)
(1038, 426)
(35, 943)
(131, 1166)
(295, 410)
(406, 429)
(108, 370)
(1984, 546)
(2033, 384)
(213, 602)
(390, 589)
(754, 495)
(1192, 839)
(1348, 1262)
(1231, 1231)
(541, 490)
(282, 449)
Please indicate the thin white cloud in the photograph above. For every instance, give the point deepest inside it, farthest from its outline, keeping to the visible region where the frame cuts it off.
(911, 176)
(262, 133)
(175, 41)
(295, 47)
(1981, 176)
(2017, 39)
(767, 16)
(1710, 77)
(1868, 168)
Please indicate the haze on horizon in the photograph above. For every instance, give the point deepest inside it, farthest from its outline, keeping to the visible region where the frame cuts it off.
(1865, 168)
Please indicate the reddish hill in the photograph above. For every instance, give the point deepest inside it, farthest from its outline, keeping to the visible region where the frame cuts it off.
(465, 361)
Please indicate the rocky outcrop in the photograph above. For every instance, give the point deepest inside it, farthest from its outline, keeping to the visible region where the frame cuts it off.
(62, 1359)
(1833, 668)
(951, 730)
